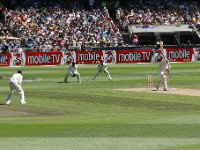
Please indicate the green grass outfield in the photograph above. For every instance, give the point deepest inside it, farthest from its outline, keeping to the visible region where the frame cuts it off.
(93, 116)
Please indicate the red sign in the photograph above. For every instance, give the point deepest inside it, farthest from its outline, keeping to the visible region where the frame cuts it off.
(43, 58)
(133, 56)
(179, 54)
(94, 56)
(5, 59)
(89, 57)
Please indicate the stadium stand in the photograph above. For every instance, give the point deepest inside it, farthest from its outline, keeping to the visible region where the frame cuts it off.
(52, 25)
(169, 34)
(55, 28)
(175, 22)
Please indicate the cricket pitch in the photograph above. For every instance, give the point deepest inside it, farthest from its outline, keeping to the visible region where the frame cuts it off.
(176, 91)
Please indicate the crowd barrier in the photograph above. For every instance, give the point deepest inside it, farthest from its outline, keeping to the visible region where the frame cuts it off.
(145, 55)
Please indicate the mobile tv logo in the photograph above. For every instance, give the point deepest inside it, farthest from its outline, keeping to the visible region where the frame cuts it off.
(89, 56)
(44, 58)
(135, 56)
(181, 53)
(4, 60)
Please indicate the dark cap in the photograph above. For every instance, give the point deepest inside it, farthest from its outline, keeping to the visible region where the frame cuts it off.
(19, 71)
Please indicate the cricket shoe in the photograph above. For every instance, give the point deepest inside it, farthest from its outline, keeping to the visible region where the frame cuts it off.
(166, 89)
(23, 103)
(157, 87)
(7, 103)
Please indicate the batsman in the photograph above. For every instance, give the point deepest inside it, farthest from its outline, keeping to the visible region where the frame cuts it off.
(164, 74)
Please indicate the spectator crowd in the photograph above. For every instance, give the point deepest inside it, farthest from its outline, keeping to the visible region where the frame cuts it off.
(48, 26)
(56, 28)
(163, 12)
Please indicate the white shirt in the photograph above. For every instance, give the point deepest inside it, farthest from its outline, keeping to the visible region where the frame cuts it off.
(16, 78)
(103, 66)
(73, 70)
(163, 65)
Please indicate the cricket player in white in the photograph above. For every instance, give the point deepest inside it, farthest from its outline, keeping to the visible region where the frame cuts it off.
(15, 85)
(73, 71)
(164, 73)
(102, 67)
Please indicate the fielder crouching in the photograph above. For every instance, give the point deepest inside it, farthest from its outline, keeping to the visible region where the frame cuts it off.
(73, 71)
(102, 67)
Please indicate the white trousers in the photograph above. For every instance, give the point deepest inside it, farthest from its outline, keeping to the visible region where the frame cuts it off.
(18, 88)
(76, 75)
(105, 70)
(163, 80)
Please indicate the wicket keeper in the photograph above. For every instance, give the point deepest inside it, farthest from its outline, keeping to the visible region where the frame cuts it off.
(73, 71)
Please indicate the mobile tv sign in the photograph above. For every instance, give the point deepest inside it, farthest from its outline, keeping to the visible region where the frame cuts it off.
(43, 58)
(133, 56)
(89, 57)
(180, 54)
(94, 56)
(5, 59)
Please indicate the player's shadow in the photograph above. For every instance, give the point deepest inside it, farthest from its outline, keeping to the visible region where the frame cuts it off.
(154, 90)
(62, 82)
